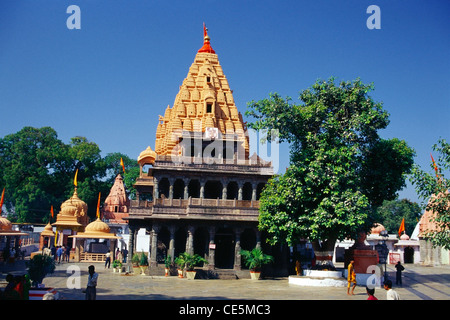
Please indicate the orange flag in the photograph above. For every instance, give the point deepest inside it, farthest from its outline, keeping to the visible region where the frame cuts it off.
(51, 210)
(75, 179)
(402, 227)
(122, 164)
(1, 201)
(98, 205)
(435, 166)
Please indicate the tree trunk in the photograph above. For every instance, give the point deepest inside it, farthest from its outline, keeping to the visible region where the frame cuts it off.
(324, 251)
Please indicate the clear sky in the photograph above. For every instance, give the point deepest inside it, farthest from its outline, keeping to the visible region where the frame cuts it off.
(109, 80)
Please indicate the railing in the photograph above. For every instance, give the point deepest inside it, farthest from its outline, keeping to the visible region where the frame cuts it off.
(184, 203)
(92, 257)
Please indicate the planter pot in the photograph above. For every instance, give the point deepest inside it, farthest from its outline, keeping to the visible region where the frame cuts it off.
(39, 293)
(180, 273)
(166, 272)
(255, 275)
(136, 269)
(191, 274)
(143, 269)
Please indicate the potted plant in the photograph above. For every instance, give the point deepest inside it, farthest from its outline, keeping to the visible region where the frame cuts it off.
(167, 265)
(135, 262)
(39, 267)
(190, 262)
(117, 266)
(143, 263)
(254, 260)
(179, 261)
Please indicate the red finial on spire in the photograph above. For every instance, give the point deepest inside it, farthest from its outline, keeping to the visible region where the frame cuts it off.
(206, 45)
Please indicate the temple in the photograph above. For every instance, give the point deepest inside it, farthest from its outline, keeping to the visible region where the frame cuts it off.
(198, 190)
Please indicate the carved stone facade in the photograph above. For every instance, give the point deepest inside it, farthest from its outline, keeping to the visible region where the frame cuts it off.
(199, 190)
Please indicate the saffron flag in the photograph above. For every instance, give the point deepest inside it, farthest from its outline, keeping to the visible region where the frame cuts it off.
(402, 227)
(122, 164)
(435, 166)
(75, 179)
(51, 210)
(1, 201)
(98, 205)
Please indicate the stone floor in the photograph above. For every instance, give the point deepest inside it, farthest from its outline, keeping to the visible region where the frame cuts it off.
(419, 283)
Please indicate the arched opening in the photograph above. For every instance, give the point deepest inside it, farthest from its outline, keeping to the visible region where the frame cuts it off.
(232, 190)
(163, 244)
(259, 190)
(164, 187)
(408, 255)
(194, 189)
(180, 241)
(201, 242)
(213, 189)
(178, 189)
(247, 191)
(248, 242)
(224, 255)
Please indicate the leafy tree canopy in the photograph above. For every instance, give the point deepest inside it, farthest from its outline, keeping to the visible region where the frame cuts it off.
(37, 171)
(391, 213)
(337, 173)
(432, 187)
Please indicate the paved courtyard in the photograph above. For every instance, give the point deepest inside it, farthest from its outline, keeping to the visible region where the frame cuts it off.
(419, 283)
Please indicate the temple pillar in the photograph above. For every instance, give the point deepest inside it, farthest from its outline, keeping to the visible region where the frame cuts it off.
(171, 251)
(254, 186)
(131, 241)
(171, 181)
(190, 240)
(237, 249)
(212, 248)
(155, 189)
(154, 246)
(186, 188)
(241, 186)
(202, 188)
(258, 238)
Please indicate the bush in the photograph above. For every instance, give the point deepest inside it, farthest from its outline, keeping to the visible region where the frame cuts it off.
(39, 267)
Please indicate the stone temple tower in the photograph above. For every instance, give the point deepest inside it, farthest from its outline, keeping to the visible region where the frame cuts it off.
(198, 190)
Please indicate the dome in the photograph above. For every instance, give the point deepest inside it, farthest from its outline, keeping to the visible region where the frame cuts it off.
(48, 231)
(98, 226)
(74, 206)
(5, 224)
(377, 228)
(147, 156)
(404, 237)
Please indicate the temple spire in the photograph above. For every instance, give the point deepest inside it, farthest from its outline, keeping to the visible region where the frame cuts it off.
(206, 45)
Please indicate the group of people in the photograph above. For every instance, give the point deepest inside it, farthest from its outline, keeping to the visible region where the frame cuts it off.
(59, 253)
(18, 288)
(391, 294)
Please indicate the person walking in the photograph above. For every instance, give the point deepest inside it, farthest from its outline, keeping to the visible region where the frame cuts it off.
(351, 278)
(91, 289)
(391, 294)
(67, 254)
(108, 259)
(59, 253)
(398, 276)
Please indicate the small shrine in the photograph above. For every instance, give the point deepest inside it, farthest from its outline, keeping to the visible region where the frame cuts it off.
(71, 219)
(46, 237)
(116, 205)
(9, 238)
(92, 244)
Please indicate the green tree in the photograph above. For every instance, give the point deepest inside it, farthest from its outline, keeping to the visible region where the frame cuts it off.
(328, 191)
(37, 170)
(33, 172)
(391, 213)
(433, 188)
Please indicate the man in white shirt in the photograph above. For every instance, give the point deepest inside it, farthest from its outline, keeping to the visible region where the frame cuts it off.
(391, 294)
(91, 290)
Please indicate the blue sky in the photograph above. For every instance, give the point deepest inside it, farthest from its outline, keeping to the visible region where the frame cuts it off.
(109, 80)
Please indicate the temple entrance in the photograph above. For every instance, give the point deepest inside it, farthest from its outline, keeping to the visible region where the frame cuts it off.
(224, 255)
(408, 256)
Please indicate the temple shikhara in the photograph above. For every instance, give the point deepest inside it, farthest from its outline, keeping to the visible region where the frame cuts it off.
(198, 190)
